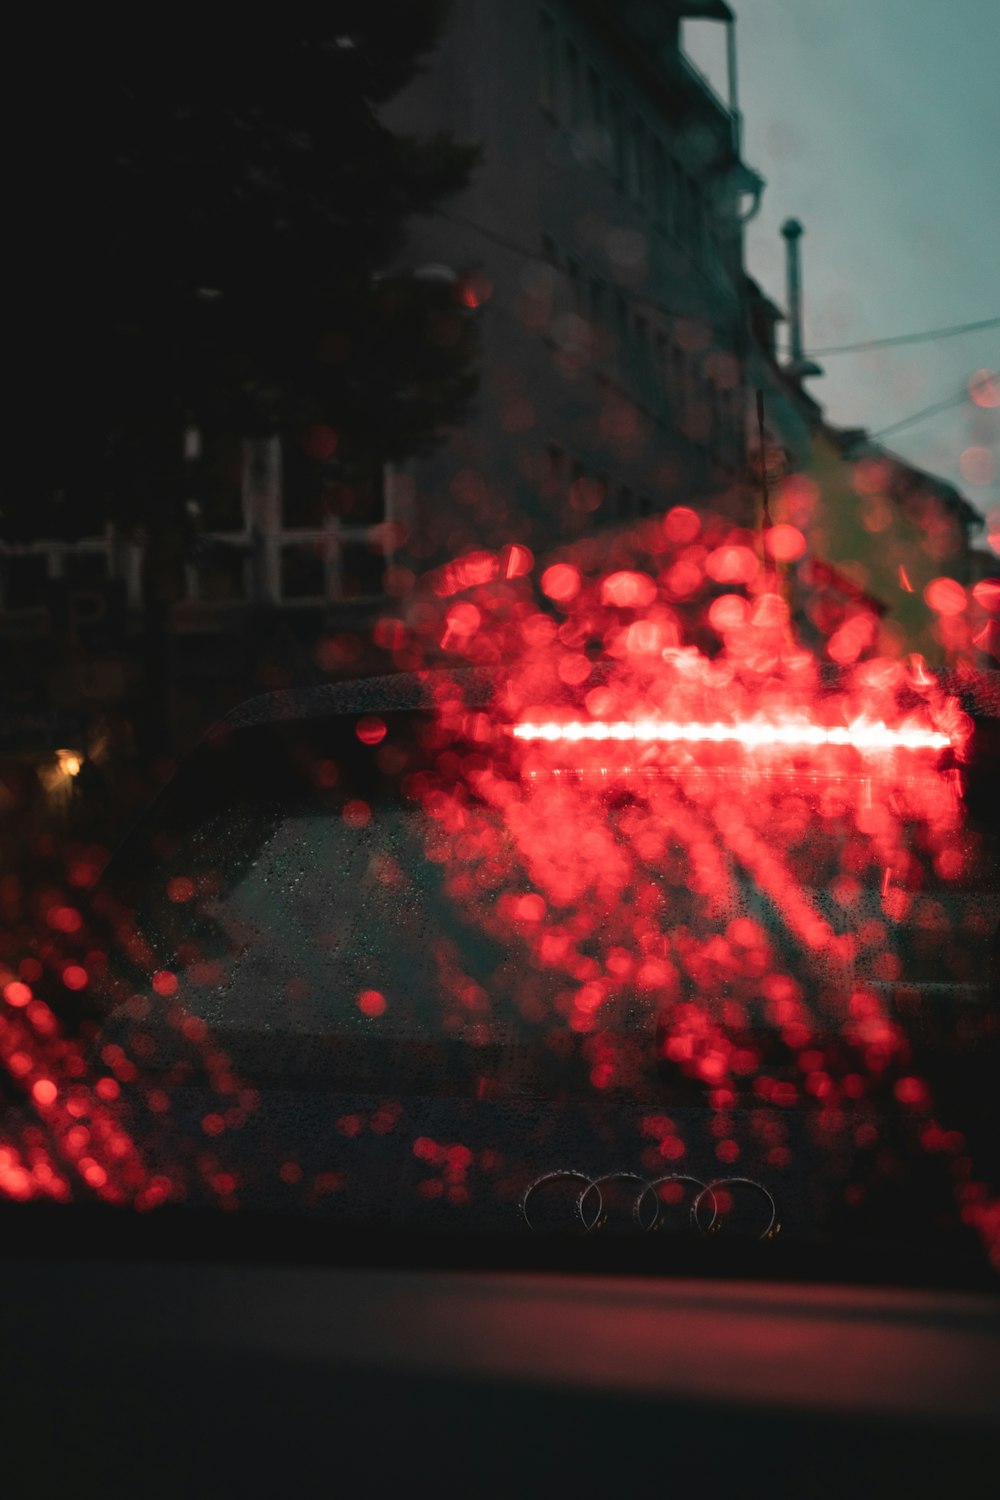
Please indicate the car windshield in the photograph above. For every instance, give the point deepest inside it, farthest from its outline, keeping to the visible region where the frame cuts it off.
(500, 592)
(345, 980)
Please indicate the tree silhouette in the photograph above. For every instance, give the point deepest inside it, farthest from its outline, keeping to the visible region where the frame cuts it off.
(202, 213)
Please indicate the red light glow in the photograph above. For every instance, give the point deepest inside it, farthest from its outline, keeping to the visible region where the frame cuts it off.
(987, 595)
(752, 735)
(785, 543)
(742, 931)
(984, 388)
(371, 730)
(561, 582)
(742, 935)
(977, 465)
(946, 596)
(371, 1003)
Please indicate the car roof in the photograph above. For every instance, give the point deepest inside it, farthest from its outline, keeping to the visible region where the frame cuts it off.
(394, 693)
(977, 692)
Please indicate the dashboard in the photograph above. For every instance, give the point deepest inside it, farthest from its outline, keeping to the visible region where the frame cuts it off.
(194, 1377)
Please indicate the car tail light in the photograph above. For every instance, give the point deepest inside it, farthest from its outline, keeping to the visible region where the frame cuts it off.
(751, 734)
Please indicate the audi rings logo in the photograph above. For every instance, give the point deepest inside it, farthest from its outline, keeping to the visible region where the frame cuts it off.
(568, 1200)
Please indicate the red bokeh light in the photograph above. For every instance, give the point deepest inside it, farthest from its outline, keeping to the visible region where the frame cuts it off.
(357, 813)
(681, 524)
(371, 1003)
(946, 596)
(912, 1091)
(987, 594)
(561, 582)
(609, 855)
(984, 388)
(628, 590)
(784, 543)
(371, 730)
(732, 564)
(993, 530)
(728, 612)
(977, 465)
(65, 919)
(622, 833)
(321, 442)
(461, 621)
(516, 561)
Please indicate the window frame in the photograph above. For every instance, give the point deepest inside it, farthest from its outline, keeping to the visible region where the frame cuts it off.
(548, 64)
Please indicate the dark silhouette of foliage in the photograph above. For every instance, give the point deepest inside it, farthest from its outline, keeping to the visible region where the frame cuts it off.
(202, 212)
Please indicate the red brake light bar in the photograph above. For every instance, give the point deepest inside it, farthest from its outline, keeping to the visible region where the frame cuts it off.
(753, 734)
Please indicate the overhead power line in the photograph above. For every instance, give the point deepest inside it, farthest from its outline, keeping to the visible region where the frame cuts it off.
(934, 408)
(926, 337)
(638, 299)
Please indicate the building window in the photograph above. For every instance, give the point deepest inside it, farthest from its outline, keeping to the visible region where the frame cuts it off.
(640, 331)
(678, 376)
(555, 469)
(358, 498)
(672, 206)
(362, 570)
(549, 79)
(303, 571)
(698, 229)
(25, 580)
(306, 480)
(638, 176)
(663, 359)
(616, 120)
(588, 492)
(711, 258)
(573, 84)
(596, 124)
(621, 318)
(595, 98)
(661, 194)
(688, 200)
(85, 570)
(575, 274)
(342, 484)
(222, 571)
(218, 464)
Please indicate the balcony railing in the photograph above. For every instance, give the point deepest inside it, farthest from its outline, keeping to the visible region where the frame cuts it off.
(694, 78)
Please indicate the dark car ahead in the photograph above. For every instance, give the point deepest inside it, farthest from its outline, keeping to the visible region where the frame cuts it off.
(345, 1075)
(335, 992)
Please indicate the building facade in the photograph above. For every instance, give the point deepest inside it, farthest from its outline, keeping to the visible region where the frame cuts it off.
(602, 239)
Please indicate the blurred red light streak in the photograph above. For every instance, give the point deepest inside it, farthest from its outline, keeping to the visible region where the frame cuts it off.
(752, 734)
